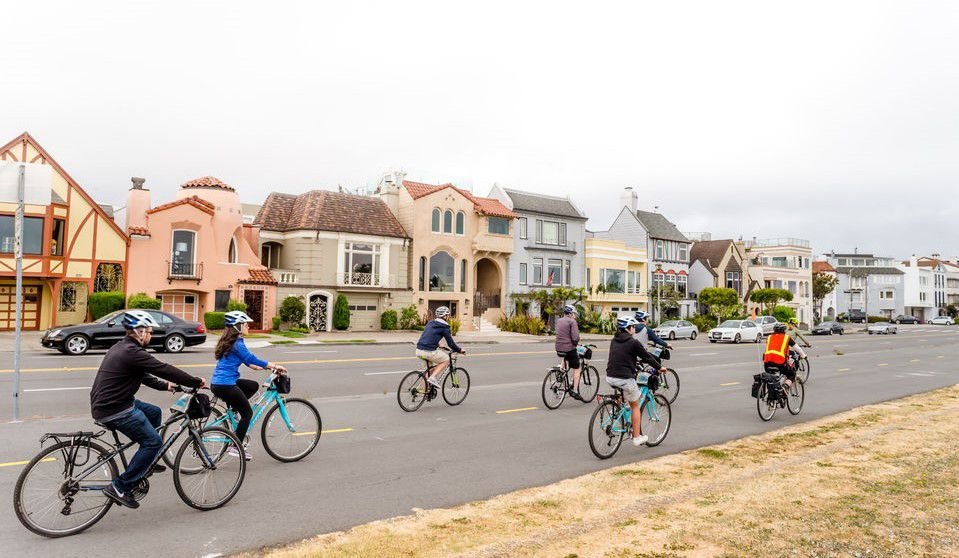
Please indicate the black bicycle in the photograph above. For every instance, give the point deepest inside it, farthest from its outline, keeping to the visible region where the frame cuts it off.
(801, 364)
(772, 393)
(414, 390)
(558, 384)
(668, 380)
(60, 491)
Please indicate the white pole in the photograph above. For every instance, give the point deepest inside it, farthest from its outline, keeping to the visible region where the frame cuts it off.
(18, 254)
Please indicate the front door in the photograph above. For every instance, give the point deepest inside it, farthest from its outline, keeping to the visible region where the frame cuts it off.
(319, 306)
(254, 308)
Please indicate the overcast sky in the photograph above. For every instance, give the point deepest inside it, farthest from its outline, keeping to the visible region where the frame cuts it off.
(832, 121)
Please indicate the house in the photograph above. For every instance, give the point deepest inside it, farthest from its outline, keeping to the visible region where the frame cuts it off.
(940, 274)
(195, 253)
(548, 241)
(784, 263)
(869, 283)
(460, 249)
(718, 263)
(922, 290)
(826, 309)
(71, 245)
(322, 244)
(616, 276)
(952, 281)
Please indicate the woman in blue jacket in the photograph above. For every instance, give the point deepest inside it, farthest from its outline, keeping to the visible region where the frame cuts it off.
(226, 383)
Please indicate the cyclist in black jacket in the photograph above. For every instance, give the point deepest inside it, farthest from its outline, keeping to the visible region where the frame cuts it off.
(125, 367)
(624, 352)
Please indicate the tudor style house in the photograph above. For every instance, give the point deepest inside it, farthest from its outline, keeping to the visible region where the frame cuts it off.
(195, 253)
(71, 245)
(461, 245)
(719, 263)
(321, 244)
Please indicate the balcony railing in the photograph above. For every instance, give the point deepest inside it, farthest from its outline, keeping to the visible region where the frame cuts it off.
(356, 279)
(769, 242)
(184, 270)
(284, 275)
(531, 243)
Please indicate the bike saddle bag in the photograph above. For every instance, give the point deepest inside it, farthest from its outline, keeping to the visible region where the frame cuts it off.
(585, 352)
(199, 406)
(757, 382)
(282, 384)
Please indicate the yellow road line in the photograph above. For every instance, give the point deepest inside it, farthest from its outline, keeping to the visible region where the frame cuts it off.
(729, 384)
(914, 360)
(883, 364)
(845, 369)
(335, 430)
(15, 463)
(503, 412)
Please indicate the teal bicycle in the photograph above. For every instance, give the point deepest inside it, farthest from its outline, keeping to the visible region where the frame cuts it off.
(291, 426)
(611, 422)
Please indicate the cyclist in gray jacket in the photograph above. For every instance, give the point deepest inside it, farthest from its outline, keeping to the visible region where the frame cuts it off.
(567, 340)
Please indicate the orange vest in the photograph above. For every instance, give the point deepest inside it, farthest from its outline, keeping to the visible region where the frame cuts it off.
(777, 346)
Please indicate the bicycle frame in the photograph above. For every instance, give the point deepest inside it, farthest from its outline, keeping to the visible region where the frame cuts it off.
(263, 402)
(626, 412)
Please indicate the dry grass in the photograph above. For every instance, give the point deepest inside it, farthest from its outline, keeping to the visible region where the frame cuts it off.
(880, 481)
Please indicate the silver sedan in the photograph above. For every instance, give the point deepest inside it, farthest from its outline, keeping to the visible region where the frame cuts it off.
(884, 328)
(677, 329)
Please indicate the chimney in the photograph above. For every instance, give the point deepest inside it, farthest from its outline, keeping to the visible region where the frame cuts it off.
(629, 198)
(138, 202)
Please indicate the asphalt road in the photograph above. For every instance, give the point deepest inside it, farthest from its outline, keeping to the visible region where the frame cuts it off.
(376, 461)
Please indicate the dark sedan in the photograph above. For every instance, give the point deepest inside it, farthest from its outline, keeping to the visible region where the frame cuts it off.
(905, 319)
(173, 335)
(828, 328)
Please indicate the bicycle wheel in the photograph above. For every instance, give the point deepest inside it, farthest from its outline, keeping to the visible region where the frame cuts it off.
(286, 444)
(606, 430)
(49, 504)
(669, 385)
(765, 407)
(412, 391)
(456, 385)
(795, 397)
(655, 419)
(554, 388)
(588, 384)
(215, 419)
(221, 473)
(803, 369)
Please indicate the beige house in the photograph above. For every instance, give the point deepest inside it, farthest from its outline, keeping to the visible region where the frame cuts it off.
(784, 263)
(720, 263)
(461, 244)
(321, 244)
(616, 275)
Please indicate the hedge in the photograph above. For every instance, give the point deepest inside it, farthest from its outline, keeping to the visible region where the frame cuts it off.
(101, 304)
(276, 323)
(388, 320)
(141, 300)
(341, 313)
(235, 305)
(214, 320)
(292, 310)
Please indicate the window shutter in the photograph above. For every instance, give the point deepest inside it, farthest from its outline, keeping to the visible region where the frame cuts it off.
(539, 231)
(562, 234)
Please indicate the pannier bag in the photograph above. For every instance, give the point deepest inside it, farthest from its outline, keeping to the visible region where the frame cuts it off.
(774, 389)
(199, 407)
(282, 383)
(757, 382)
(585, 352)
(653, 382)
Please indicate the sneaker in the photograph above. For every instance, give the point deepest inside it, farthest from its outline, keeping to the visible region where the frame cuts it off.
(233, 452)
(434, 382)
(642, 439)
(575, 395)
(125, 499)
(158, 468)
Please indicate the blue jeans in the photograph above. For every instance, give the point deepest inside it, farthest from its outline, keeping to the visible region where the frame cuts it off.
(140, 426)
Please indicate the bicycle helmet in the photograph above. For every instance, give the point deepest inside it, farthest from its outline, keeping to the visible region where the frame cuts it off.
(235, 318)
(569, 309)
(134, 319)
(441, 312)
(640, 316)
(793, 322)
(779, 328)
(626, 322)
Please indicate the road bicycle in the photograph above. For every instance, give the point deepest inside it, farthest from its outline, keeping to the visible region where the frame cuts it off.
(801, 365)
(557, 384)
(60, 491)
(414, 390)
(669, 380)
(771, 393)
(291, 426)
(611, 422)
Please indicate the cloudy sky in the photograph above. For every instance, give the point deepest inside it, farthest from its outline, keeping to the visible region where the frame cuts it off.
(832, 121)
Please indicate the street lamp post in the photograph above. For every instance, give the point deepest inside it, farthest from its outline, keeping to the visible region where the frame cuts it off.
(659, 294)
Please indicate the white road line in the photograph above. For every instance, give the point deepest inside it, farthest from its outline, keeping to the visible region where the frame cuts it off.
(703, 354)
(57, 389)
(382, 373)
(309, 352)
(920, 374)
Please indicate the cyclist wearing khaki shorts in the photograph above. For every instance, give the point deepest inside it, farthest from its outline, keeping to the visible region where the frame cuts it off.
(621, 369)
(428, 347)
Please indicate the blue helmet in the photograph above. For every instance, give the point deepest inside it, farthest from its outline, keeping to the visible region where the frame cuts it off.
(626, 322)
(569, 309)
(640, 316)
(133, 319)
(235, 318)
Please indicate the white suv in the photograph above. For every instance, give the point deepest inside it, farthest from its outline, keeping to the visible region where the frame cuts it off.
(766, 324)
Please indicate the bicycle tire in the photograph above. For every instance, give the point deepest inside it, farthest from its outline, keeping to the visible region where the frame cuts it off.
(169, 456)
(603, 441)
(589, 384)
(552, 384)
(461, 378)
(417, 398)
(27, 518)
(669, 385)
(796, 394)
(665, 414)
(314, 439)
(762, 405)
(223, 457)
(803, 370)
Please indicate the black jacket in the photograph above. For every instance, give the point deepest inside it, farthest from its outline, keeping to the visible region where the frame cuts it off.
(623, 352)
(126, 366)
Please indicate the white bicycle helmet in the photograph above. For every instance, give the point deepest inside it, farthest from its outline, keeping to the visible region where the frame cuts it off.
(133, 319)
(640, 316)
(626, 322)
(569, 309)
(441, 312)
(235, 318)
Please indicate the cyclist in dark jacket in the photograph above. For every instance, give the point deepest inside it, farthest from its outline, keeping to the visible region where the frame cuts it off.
(428, 347)
(125, 367)
(645, 334)
(624, 352)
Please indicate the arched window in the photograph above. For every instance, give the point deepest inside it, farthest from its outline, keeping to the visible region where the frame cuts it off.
(460, 222)
(441, 272)
(436, 220)
(448, 221)
(231, 253)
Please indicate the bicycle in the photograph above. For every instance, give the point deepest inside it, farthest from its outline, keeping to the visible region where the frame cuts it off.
(611, 422)
(801, 365)
(771, 394)
(59, 492)
(669, 380)
(291, 426)
(557, 383)
(414, 390)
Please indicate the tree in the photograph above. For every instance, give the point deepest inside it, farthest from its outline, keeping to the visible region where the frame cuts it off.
(769, 298)
(341, 313)
(292, 310)
(822, 285)
(722, 303)
(783, 313)
(665, 298)
(551, 301)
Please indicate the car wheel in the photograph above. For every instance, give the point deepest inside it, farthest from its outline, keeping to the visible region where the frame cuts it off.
(174, 343)
(712, 340)
(830, 332)
(672, 335)
(841, 331)
(759, 337)
(738, 338)
(692, 336)
(77, 344)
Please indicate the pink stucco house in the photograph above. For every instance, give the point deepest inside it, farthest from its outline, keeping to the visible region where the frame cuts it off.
(195, 253)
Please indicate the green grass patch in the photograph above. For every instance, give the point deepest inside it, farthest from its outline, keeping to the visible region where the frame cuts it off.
(282, 342)
(290, 334)
(631, 473)
(713, 453)
(257, 336)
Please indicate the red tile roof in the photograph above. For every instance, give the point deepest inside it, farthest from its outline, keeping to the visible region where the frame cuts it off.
(259, 276)
(483, 206)
(207, 182)
(822, 267)
(196, 202)
(323, 210)
(138, 231)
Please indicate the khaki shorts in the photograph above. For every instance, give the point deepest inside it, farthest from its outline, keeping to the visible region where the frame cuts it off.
(629, 386)
(438, 356)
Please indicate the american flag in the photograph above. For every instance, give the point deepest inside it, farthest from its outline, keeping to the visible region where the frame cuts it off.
(549, 280)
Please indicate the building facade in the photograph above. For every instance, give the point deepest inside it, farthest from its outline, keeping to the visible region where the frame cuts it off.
(195, 253)
(616, 276)
(71, 245)
(784, 263)
(719, 263)
(826, 309)
(921, 280)
(322, 244)
(869, 283)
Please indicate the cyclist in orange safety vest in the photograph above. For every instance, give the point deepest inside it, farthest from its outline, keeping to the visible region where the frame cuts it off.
(777, 351)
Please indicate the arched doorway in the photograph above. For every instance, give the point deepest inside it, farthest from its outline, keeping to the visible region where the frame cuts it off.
(319, 311)
(488, 286)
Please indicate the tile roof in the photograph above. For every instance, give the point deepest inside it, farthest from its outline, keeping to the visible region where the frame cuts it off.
(196, 202)
(323, 210)
(207, 182)
(710, 251)
(660, 227)
(483, 206)
(259, 276)
(139, 231)
(822, 267)
(540, 203)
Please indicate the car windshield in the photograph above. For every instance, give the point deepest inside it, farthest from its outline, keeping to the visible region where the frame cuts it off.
(881, 323)
(108, 317)
(731, 323)
(670, 324)
(825, 324)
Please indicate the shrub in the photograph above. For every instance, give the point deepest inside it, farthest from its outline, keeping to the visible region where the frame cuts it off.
(235, 305)
(388, 320)
(341, 313)
(783, 313)
(455, 324)
(276, 323)
(101, 304)
(874, 319)
(213, 320)
(531, 325)
(704, 322)
(141, 300)
(409, 317)
(292, 310)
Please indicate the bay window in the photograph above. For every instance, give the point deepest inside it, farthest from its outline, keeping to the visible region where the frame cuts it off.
(362, 264)
(555, 272)
(614, 280)
(537, 271)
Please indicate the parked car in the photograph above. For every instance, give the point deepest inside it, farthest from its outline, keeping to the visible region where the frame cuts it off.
(828, 328)
(942, 320)
(677, 329)
(173, 335)
(906, 319)
(736, 331)
(884, 328)
(766, 324)
(856, 316)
